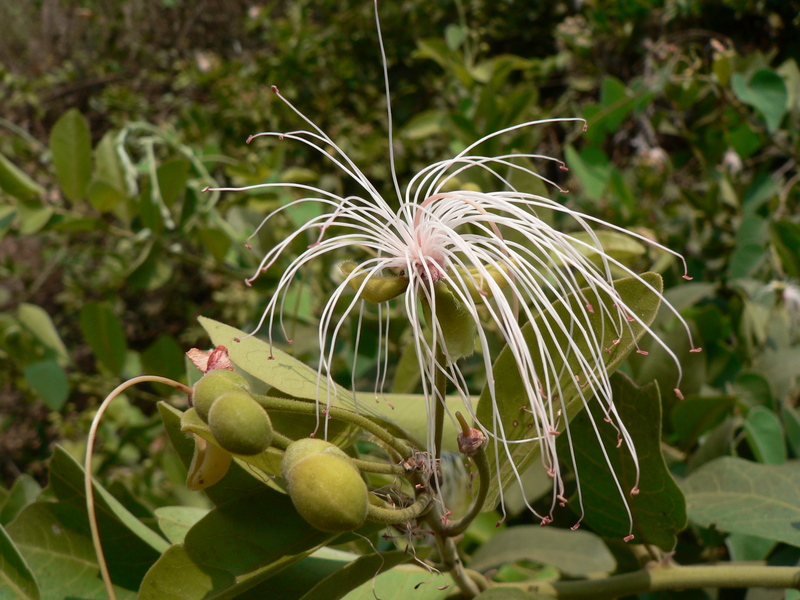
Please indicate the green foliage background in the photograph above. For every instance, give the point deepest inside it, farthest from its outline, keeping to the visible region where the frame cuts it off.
(115, 116)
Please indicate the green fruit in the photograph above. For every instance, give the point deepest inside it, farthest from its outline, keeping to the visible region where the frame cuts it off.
(240, 424)
(211, 386)
(305, 447)
(328, 492)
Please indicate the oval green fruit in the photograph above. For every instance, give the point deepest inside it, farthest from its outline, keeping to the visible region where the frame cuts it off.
(301, 448)
(211, 386)
(240, 424)
(328, 492)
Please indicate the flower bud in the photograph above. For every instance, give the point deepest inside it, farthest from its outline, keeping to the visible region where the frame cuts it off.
(240, 424)
(211, 386)
(328, 491)
(378, 288)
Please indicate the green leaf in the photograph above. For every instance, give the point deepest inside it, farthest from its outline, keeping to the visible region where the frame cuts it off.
(33, 216)
(766, 92)
(574, 553)
(16, 579)
(591, 167)
(164, 357)
(49, 381)
(423, 125)
(103, 332)
(107, 163)
(53, 538)
(764, 434)
(176, 521)
(360, 571)
(791, 420)
(36, 320)
(130, 546)
(71, 144)
(25, 491)
(739, 496)
(297, 579)
(172, 177)
(510, 392)
(658, 510)
(276, 368)
(698, 414)
(405, 582)
(104, 197)
(509, 593)
(237, 548)
(15, 182)
(785, 236)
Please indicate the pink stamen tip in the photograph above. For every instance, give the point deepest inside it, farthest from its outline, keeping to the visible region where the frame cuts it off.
(635, 491)
(270, 358)
(615, 342)
(498, 523)
(205, 189)
(553, 432)
(250, 139)
(312, 435)
(607, 419)
(563, 167)
(590, 308)
(628, 538)
(275, 89)
(630, 319)
(585, 127)
(688, 278)
(248, 246)
(237, 340)
(619, 442)
(314, 245)
(280, 137)
(678, 393)
(575, 527)
(563, 191)
(696, 350)
(643, 352)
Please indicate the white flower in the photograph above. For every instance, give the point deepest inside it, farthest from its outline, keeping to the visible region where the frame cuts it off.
(456, 238)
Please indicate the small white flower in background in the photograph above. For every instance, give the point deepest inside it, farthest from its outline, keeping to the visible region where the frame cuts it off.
(435, 238)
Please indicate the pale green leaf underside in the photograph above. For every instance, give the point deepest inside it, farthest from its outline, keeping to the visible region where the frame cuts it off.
(575, 553)
(740, 496)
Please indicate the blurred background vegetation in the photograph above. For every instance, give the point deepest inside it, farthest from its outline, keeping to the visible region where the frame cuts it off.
(116, 115)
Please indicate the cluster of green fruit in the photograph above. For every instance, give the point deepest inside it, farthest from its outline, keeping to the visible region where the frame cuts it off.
(324, 484)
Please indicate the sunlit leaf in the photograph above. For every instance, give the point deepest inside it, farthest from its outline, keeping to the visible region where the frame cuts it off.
(740, 496)
(36, 320)
(25, 491)
(403, 583)
(360, 571)
(509, 388)
(574, 553)
(71, 144)
(15, 182)
(175, 521)
(658, 510)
